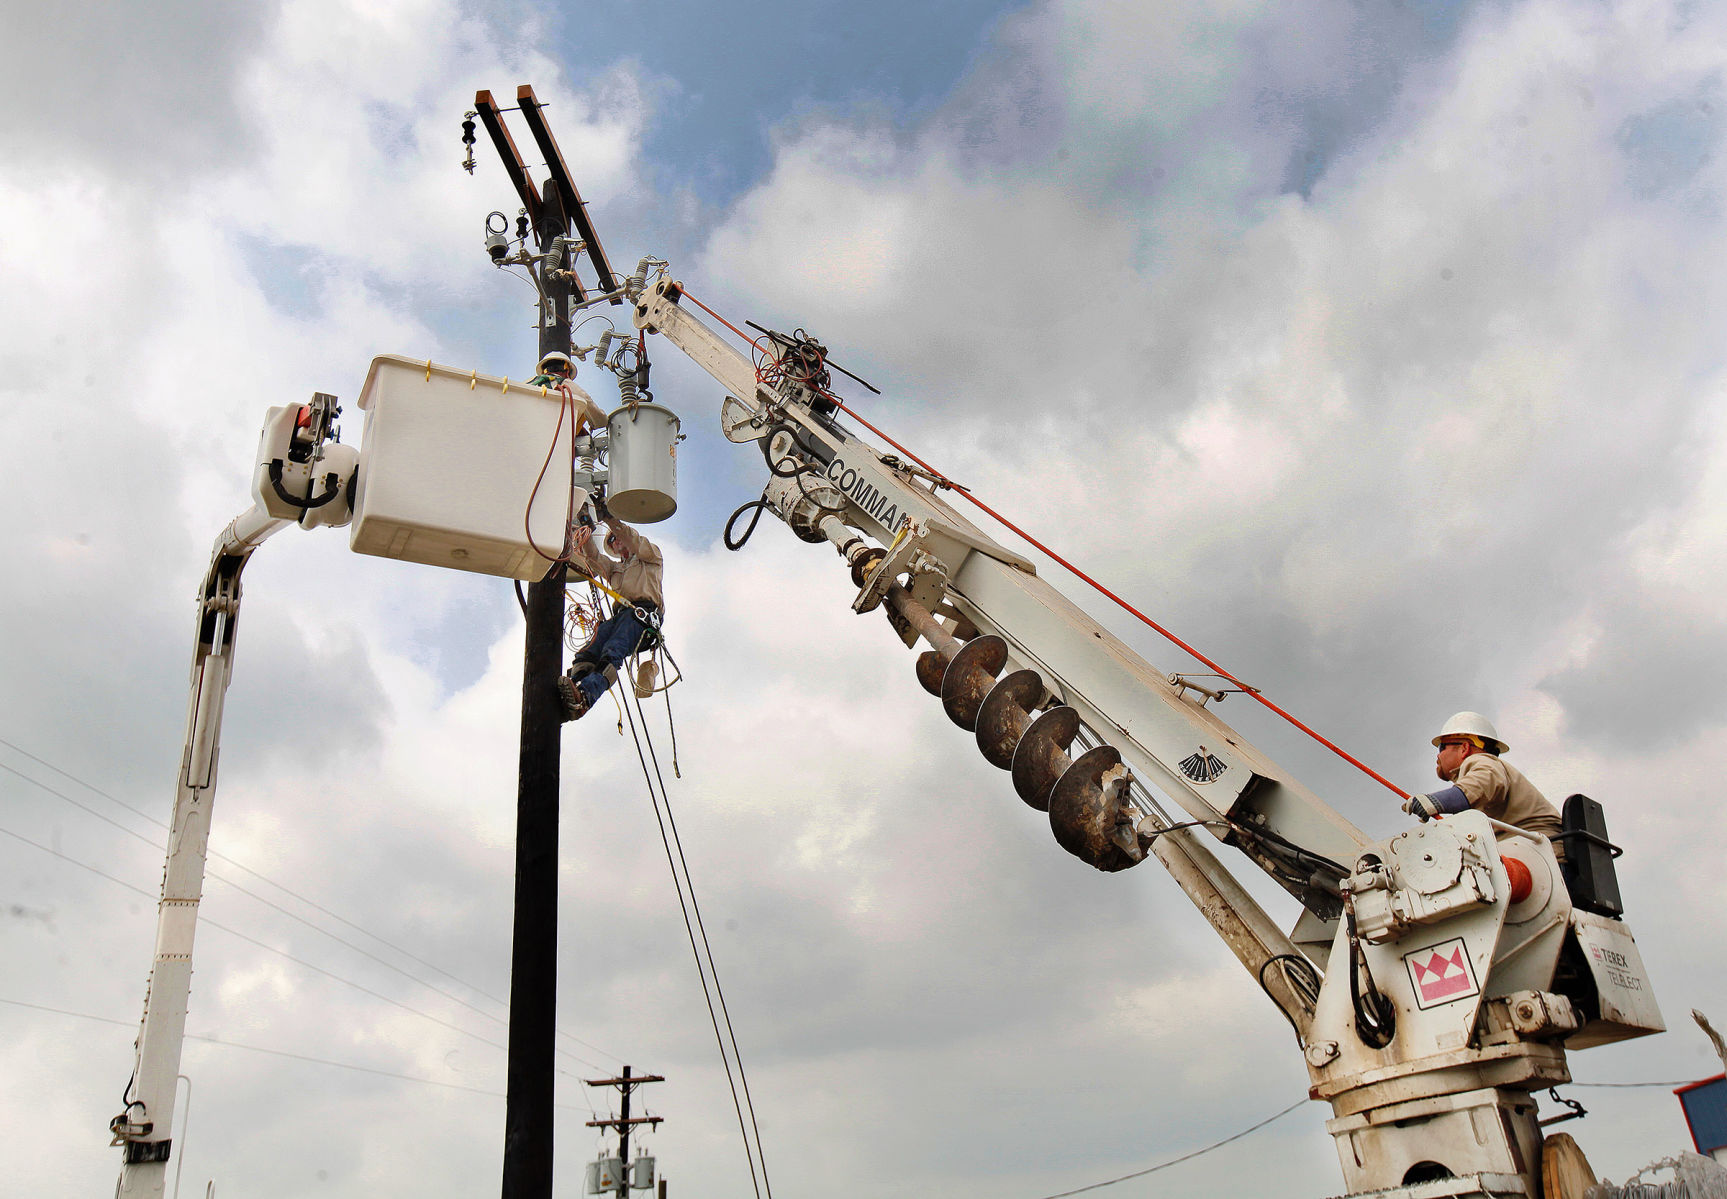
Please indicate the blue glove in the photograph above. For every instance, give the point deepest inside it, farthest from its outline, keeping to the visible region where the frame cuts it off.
(1440, 803)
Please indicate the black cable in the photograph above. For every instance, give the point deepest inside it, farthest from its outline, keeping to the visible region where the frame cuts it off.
(737, 1054)
(1266, 834)
(311, 903)
(1186, 1157)
(299, 1057)
(1302, 978)
(786, 470)
(758, 506)
(294, 916)
(282, 953)
(797, 435)
(521, 599)
(689, 930)
(1375, 1015)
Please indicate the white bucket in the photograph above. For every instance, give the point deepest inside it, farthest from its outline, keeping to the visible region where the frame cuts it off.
(644, 463)
(449, 464)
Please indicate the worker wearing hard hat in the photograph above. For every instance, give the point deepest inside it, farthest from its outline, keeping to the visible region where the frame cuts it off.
(1469, 759)
(558, 372)
(633, 571)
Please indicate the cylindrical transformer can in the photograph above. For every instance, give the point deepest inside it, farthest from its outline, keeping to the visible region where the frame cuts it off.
(606, 1174)
(644, 463)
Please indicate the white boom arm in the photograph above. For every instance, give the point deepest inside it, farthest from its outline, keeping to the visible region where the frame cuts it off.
(293, 459)
(1424, 979)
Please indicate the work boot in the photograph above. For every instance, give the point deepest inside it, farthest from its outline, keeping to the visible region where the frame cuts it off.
(575, 704)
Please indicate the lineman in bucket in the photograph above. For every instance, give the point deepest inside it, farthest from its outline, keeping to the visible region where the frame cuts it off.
(1469, 759)
(633, 569)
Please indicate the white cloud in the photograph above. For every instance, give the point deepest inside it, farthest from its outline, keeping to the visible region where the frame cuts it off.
(1432, 429)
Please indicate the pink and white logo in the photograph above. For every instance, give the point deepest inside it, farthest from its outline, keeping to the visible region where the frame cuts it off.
(1441, 973)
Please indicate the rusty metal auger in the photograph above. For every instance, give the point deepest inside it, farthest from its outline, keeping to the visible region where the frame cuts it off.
(1021, 728)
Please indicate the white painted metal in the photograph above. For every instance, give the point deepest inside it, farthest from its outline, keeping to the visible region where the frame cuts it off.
(643, 485)
(605, 1174)
(145, 1128)
(1627, 1000)
(1467, 972)
(299, 475)
(1128, 697)
(449, 462)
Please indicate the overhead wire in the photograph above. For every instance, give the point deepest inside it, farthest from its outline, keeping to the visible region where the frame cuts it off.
(703, 954)
(214, 875)
(943, 481)
(299, 1057)
(238, 865)
(282, 953)
(707, 949)
(1186, 1157)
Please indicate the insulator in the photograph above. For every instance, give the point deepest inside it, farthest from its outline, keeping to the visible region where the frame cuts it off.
(1083, 816)
(931, 666)
(522, 225)
(969, 677)
(605, 342)
(468, 132)
(1006, 714)
(1040, 758)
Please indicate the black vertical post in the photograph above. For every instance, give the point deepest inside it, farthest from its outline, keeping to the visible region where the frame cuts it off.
(624, 1123)
(528, 1132)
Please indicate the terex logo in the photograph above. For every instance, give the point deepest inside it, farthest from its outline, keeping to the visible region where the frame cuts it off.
(862, 493)
(1441, 973)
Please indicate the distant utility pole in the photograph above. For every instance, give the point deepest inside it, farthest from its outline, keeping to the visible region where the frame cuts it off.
(528, 1135)
(626, 1084)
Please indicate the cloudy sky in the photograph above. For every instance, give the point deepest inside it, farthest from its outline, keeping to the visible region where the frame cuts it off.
(1375, 348)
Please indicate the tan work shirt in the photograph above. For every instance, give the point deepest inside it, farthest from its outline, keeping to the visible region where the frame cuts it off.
(586, 409)
(636, 575)
(1498, 789)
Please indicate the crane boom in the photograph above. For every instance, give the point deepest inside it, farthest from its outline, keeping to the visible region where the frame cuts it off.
(1158, 724)
(1424, 977)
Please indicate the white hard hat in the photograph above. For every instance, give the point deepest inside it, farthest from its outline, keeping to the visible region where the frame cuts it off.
(1473, 724)
(556, 358)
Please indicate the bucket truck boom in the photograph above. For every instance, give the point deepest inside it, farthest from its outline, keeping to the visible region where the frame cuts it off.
(302, 477)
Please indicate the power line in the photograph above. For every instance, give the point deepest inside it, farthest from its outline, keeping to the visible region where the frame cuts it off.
(299, 1057)
(701, 926)
(232, 932)
(751, 1154)
(1269, 1119)
(284, 911)
(1186, 1157)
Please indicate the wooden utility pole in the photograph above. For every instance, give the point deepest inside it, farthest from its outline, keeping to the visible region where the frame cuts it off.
(528, 1131)
(626, 1085)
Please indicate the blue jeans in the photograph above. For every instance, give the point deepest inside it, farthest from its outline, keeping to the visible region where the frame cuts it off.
(614, 640)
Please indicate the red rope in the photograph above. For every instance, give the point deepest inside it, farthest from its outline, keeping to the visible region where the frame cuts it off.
(943, 480)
